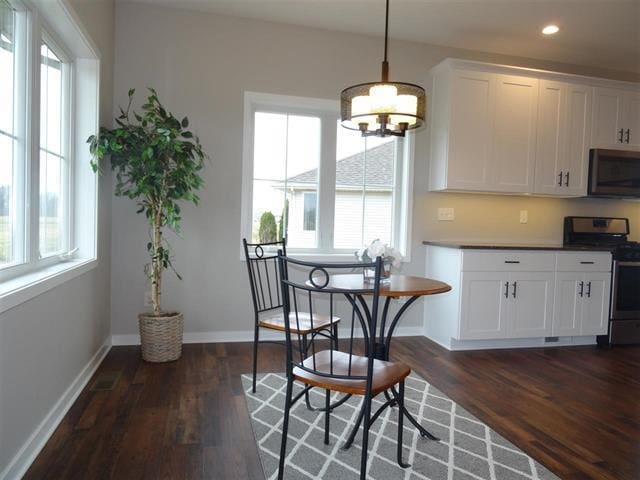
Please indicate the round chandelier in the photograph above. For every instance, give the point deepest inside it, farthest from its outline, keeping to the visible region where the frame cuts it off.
(383, 108)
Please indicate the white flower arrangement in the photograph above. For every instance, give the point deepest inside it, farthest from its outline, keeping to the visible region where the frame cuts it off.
(375, 249)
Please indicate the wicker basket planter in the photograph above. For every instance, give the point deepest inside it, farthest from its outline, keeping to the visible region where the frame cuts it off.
(161, 337)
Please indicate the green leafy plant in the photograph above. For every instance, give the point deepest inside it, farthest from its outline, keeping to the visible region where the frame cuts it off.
(157, 163)
(268, 230)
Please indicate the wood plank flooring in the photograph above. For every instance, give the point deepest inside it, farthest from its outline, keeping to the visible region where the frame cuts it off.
(576, 410)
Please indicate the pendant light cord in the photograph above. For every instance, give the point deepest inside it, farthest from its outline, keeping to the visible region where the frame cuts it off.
(386, 30)
(385, 63)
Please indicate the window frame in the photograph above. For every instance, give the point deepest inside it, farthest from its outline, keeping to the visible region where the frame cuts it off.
(66, 148)
(329, 112)
(53, 23)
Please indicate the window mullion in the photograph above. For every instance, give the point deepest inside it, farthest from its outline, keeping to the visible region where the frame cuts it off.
(327, 182)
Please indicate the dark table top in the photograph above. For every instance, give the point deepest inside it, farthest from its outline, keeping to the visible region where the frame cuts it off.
(514, 246)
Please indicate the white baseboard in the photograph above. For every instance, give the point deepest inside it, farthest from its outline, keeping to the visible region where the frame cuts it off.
(21, 462)
(242, 336)
(459, 345)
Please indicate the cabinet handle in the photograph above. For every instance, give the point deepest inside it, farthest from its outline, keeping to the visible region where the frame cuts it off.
(560, 179)
(628, 134)
(587, 263)
(566, 181)
(515, 287)
(511, 261)
(589, 289)
(506, 290)
(581, 292)
(621, 133)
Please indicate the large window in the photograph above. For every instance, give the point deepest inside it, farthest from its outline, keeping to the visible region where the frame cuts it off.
(37, 175)
(323, 187)
(10, 174)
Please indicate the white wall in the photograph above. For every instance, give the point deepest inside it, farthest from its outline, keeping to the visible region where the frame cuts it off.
(46, 342)
(201, 64)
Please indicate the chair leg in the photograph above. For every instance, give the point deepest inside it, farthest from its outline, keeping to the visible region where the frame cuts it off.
(285, 426)
(327, 415)
(365, 437)
(400, 427)
(256, 335)
(306, 394)
(335, 336)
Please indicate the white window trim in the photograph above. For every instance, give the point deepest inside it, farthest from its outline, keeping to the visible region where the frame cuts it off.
(63, 28)
(323, 108)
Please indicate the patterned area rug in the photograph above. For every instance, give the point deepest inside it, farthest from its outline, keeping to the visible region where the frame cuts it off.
(468, 449)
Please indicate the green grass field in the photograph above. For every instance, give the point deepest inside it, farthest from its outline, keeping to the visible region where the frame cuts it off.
(49, 235)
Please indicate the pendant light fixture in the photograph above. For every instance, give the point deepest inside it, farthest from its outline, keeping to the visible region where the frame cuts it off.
(383, 108)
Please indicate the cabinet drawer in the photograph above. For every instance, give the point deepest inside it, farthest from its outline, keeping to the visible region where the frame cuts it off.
(507, 261)
(583, 262)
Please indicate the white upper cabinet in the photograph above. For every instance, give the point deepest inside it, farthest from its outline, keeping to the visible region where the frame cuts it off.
(564, 124)
(514, 133)
(616, 119)
(513, 130)
(483, 131)
(472, 99)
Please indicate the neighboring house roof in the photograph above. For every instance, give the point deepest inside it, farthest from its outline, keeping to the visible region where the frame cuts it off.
(378, 174)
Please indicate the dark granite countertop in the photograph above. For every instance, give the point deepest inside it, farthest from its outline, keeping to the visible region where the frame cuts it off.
(513, 246)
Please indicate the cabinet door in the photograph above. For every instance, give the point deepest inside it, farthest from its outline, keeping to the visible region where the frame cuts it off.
(632, 120)
(595, 310)
(550, 145)
(471, 123)
(483, 305)
(577, 130)
(567, 310)
(531, 307)
(607, 118)
(514, 134)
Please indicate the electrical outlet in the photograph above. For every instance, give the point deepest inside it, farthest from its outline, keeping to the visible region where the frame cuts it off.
(446, 214)
(524, 216)
(147, 299)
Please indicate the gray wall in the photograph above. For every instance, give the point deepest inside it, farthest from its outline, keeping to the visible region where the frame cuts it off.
(201, 64)
(46, 342)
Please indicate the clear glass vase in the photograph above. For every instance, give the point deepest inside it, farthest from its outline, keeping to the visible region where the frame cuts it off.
(369, 273)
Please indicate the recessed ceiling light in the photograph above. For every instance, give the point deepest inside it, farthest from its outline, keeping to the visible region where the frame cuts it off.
(550, 29)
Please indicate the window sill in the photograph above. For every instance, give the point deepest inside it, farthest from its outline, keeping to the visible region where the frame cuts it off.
(21, 289)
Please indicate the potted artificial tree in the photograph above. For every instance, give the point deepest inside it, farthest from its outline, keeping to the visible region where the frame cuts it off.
(157, 163)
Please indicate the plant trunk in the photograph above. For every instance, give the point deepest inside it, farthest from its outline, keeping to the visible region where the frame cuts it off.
(156, 267)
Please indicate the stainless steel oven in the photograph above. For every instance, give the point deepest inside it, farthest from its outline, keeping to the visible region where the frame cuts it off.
(614, 173)
(625, 290)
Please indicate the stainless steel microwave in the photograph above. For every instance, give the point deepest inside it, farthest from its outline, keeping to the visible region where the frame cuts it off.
(614, 173)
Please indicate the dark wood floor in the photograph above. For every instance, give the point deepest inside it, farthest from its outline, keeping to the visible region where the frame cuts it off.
(576, 410)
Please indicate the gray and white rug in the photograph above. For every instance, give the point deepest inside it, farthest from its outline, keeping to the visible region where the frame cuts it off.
(468, 449)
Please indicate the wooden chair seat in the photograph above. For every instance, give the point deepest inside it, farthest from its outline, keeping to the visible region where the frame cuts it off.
(385, 374)
(275, 321)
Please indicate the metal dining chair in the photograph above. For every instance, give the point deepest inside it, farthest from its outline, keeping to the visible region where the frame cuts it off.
(264, 279)
(320, 365)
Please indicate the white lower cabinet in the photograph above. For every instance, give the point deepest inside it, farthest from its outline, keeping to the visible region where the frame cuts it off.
(504, 294)
(581, 303)
(506, 305)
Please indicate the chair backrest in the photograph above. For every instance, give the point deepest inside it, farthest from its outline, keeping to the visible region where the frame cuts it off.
(264, 274)
(312, 299)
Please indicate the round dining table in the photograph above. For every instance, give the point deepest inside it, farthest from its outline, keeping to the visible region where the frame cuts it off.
(396, 286)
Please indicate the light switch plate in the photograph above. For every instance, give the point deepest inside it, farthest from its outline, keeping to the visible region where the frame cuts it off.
(446, 214)
(524, 216)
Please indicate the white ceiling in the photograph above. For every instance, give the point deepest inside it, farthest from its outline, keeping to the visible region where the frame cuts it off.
(600, 33)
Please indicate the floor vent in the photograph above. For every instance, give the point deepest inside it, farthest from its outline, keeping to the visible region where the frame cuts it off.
(550, 339)
(105, 381)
